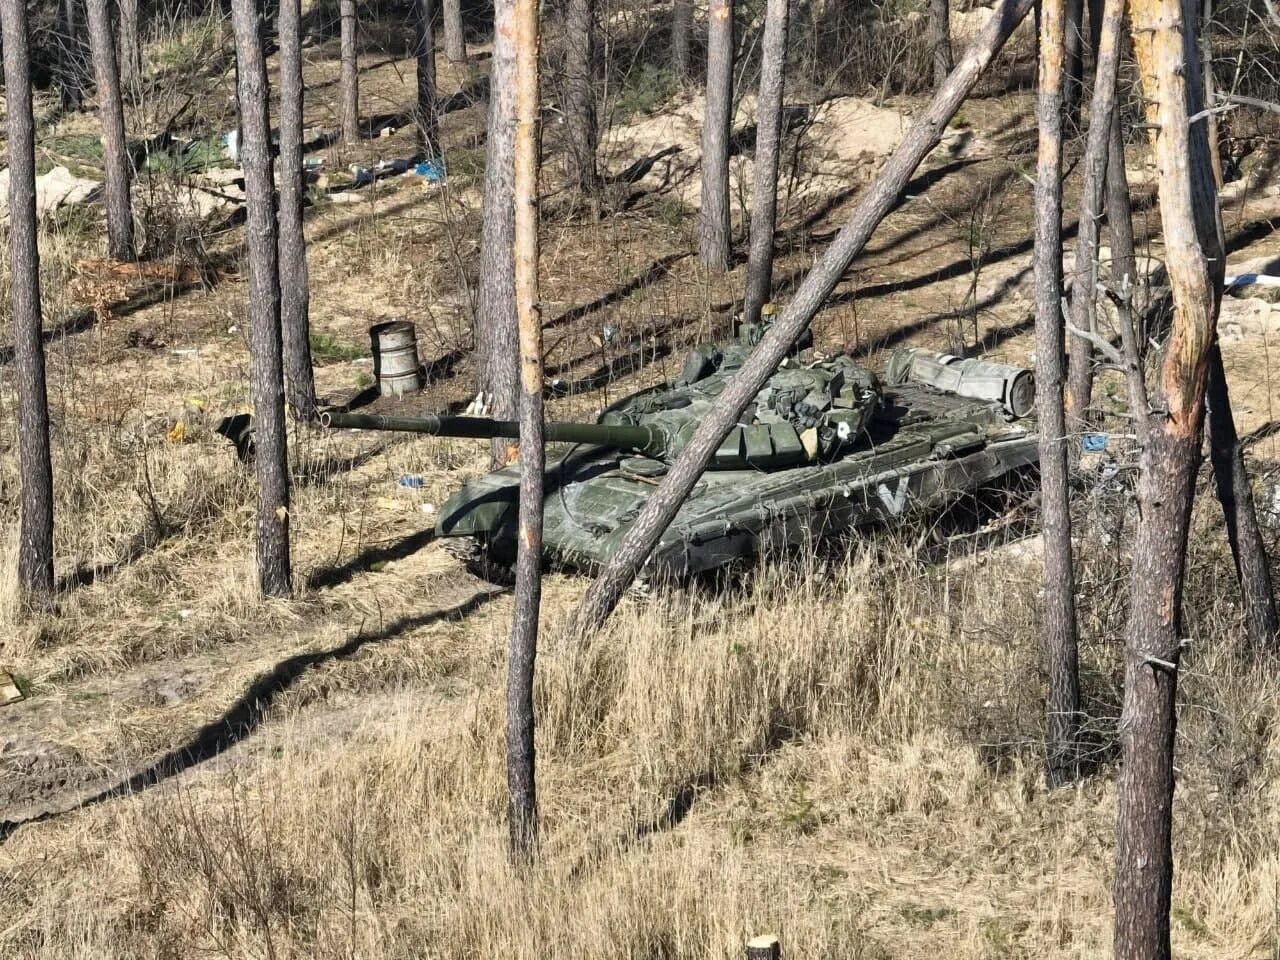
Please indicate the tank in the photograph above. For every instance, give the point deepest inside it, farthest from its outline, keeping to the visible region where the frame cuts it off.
(827, 448)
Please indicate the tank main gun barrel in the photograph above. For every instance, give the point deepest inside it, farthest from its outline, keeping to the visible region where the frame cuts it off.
(648, 440)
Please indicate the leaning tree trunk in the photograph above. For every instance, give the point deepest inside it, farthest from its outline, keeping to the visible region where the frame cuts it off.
(455, 47)
(115, 159)
(428, 110)
(130, 50)
(714, 236)
(497, 347)
(681, 37)
(1062, 705)
(878, 200)
(764, 199)
(521, 653)
(294, 295)
(579, 98)
(940, 40)
(35, 546)
(265, 364)
(350, 73)
(1164, 40)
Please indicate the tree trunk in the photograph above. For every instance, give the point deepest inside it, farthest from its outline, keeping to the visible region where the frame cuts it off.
(350, 73)
(715, 237)
(265, 364)
(1062, 705)
(578, 97)
(1236, 496)
(523, 809)
(940, 40)
(115, 158)
(682, 37)
(70, 67)
(455, 46)
(294, 292)
(130, 55)
(1073, 88)
(877, 201)
(35, 546)
(1165, 44)
(764, 199)
(428, 110)
(497, 346)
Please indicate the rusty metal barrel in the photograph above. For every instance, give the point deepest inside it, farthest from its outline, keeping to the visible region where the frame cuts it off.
(395, 358)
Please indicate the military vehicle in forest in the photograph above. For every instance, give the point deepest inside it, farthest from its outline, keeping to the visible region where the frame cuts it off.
(826, 448)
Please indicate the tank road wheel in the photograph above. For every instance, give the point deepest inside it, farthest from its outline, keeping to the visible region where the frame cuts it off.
(475, 554)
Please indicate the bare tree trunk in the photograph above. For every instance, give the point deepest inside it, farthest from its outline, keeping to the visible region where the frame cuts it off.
(1164, 40)
(523, 648)
(350, 73)
(294, 292)
(940, 40)
(1062, 705)
(35, 546)
(428, 110)
(764, 199)
(682, 37)
(455, 47)
(130, 55)
(70, 68)
(1124, 260)
(115, 158)
(578, 97)
(876, 202)
(496, 340)
(1206, 46)
(715, 234)
(1073, 88)
(266, 371)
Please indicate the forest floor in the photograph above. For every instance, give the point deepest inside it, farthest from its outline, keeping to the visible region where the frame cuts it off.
(845, 751)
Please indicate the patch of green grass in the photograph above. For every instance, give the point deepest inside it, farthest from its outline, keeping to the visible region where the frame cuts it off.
(1195, 926)
(645, 89)
(364, 380)
(325, 348)
(195, 156)
(197, 42)
(924, 917)
(79, 153)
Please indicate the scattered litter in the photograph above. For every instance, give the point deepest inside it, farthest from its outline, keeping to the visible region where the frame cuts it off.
(233, 329)
(1252, 280)
(398, 165)
(9, 692)
(230, 143)
(185, 351)
(1095, 442)
(361, 174)
(432, 171)
(427, 508)
(479, 407)
(312, 163)
(185, 613)
(412, 481)
(386, 132)
(177, 433)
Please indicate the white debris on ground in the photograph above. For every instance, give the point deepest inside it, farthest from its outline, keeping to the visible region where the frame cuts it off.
(56, 189)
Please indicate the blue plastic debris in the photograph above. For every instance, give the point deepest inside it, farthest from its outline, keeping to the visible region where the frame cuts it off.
(431, 171)
(1095, 442)
(412, 481)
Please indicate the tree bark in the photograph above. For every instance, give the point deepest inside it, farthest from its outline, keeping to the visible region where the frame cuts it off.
(578, 97)
(1062, 705)
(1164, 40)
(940, 40)
(496, 339)
(130, 50)
(455, 46)
(350, 73)
(428, 110)
(764, 200)
(265, 362)
(878, 200)
(521, 654)
(1073, 87)
(35, 545)
(70, 69)
(117, 170)
(715, 239)
(682, 37)
(294, 291)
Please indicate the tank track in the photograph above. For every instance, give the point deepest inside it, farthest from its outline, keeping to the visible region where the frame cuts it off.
(474, 554)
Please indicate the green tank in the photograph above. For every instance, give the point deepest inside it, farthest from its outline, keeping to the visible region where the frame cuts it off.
(826, 448)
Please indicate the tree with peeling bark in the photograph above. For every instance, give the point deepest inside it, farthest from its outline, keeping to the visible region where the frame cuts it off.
(350, 78)
(266, 369)
(35, 527)
(764, 197)
(428, 109)
(1164, 41)
(578, 99)
(295, 301)
(880, 197)
(496, 338)
(940, 40)
(682, 37)
(117, 171)
(522, 650)
(1058, 614)
(714, 237)
(455, 46)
